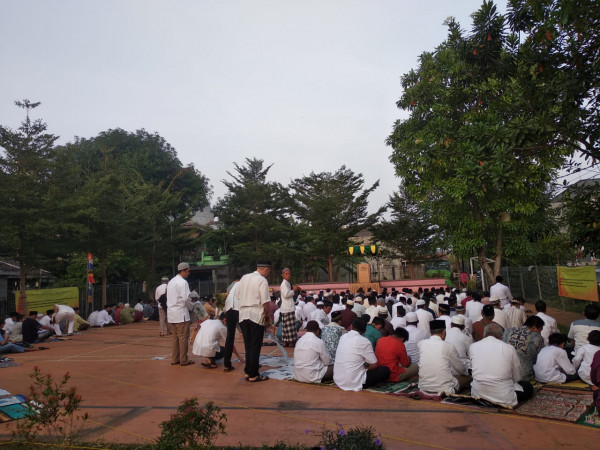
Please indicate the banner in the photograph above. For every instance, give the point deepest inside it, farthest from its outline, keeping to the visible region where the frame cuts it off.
(578, 282)
(41, 300)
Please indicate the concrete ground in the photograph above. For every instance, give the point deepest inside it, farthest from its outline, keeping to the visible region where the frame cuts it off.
(128, 394)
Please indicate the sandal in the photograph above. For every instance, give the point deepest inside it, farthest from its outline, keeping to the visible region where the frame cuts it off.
(209, 366)
(189, 363)
(258, 379)
(228, 369)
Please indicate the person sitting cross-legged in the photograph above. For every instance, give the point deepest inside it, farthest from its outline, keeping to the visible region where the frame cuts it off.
(390, 352)
(312, 363)
(552, 364)
(496, 370)
(356, 365)
(440, 368)
(585, 355)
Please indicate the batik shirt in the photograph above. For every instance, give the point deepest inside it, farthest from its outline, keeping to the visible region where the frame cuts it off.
(330, 334)
(528, 344)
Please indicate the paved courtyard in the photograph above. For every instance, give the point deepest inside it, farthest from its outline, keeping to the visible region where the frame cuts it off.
(128, 393)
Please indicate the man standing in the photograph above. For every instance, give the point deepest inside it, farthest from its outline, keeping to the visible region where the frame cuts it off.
(165, 327)
(288, 310)
(178, 315)
(253, 292)
(232, 316)
(501, 291)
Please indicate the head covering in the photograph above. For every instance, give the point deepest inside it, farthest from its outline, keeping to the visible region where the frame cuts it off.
(358, 299)
(182, 266)
(263, 264)
(459, 307)
(494, 300)
(350, 302)
(320, 303)
(487, 311)
(458, 320)
(164, 279)
(436, 325)
(421, 302)
(412, 317)
(336, 315)
(515, 300)
(444, 307)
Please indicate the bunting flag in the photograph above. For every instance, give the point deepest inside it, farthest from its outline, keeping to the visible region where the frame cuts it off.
(363, 250)
(90, 277)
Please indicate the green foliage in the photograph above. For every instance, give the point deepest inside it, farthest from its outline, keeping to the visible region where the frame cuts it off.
(583, 215)
(410, 234)
(359, 438)
(52, 410)
(192, 426)
(253, 219)
(479, 146)
(332, 207)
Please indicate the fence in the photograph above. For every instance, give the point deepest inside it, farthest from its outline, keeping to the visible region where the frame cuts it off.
(535, 283)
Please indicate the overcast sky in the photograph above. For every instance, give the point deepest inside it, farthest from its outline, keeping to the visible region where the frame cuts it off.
(307, 86)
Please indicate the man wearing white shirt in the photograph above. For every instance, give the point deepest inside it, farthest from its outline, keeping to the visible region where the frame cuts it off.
(103, 318)
(440, 369)
(164, 326)
(496, 370)
(355, 366)
(358, 307)
(207, 342)
(308, 309)
(474, 307)
(515, 316)
(287, 310)
(232, 318)
(550, 325)
(460, 311)
(499, 315)
(455, 335)
(178, 315)
(64, 313)
(501, 291)
(445, 315)
(253, 292)
(415, 335)
(312, 362)
(321, 313)
(552, 364)
(399, 319)
(424, 316)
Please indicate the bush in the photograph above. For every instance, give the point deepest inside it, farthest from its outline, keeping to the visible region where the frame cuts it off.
(359, 438)
(52, 409)
(192, 426)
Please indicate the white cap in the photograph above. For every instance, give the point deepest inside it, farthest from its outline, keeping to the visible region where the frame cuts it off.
(358, 299)
(494, 300)
(421, 302)
(382, 310)
(319, 303)
(458, 320)
(412, 317)
(350, 302)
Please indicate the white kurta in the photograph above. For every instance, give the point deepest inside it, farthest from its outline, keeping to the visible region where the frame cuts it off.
(473, 310)
(550, 360)
(287, 297)
(253, 292)
(424, 318)
(583, 361)
(415, 335)
(502, 292)
(211, 334)
(550, 326)
(232, 300)
(349, 371)
(438, 363)
(178, 291)
(496, 371)
(461, 343)
(311, 359)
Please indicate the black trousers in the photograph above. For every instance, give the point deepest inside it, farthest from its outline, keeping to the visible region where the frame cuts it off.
(253, 338)
(232, 316)
(526, 393)
(218, 355)
(377, 375)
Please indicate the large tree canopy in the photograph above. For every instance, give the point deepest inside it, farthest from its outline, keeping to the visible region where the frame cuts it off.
(479, 145)
(333, 207)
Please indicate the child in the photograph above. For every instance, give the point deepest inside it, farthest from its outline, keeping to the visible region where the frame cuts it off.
(585, 355)
(552, 364)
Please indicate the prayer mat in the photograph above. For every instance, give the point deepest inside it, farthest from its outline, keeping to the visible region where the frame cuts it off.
(274, 361)
(8, 363)
(419, 395)
(282, 369)
(12, 399)
(16, 411)
(591, 419)
(565, 406)
(572, 385)
(387, 388)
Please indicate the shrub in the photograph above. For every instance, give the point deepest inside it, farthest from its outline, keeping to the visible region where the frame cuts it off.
(192, 426)
(359, 438)
(52, 409)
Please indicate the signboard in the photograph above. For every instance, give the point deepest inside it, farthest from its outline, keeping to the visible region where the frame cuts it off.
(41, 300)
(578, 282)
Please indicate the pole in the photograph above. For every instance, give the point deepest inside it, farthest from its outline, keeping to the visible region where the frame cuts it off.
(537, 275)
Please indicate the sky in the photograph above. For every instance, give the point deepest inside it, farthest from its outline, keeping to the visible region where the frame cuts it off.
(305, 85)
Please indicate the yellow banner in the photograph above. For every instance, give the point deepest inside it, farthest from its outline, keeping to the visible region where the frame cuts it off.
(41, 300)
(578, 282)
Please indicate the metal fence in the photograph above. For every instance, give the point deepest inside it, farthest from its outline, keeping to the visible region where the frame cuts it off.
(535, 283)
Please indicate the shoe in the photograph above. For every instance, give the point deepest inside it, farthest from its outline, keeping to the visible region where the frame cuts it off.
(209, 366)
(258, 379)
(175, 364)
(189, 363)
(228, 369)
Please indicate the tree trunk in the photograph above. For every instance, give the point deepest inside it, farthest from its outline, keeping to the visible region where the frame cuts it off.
(103, 270)
(412, 271)
(330, 266)
(22, 305)
(499, 253)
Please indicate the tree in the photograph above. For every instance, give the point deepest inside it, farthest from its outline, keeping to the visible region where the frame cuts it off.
(334, 207)
(253, 222)
(582, 207)
(25, 177)
(479, 144)
(410, 233)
